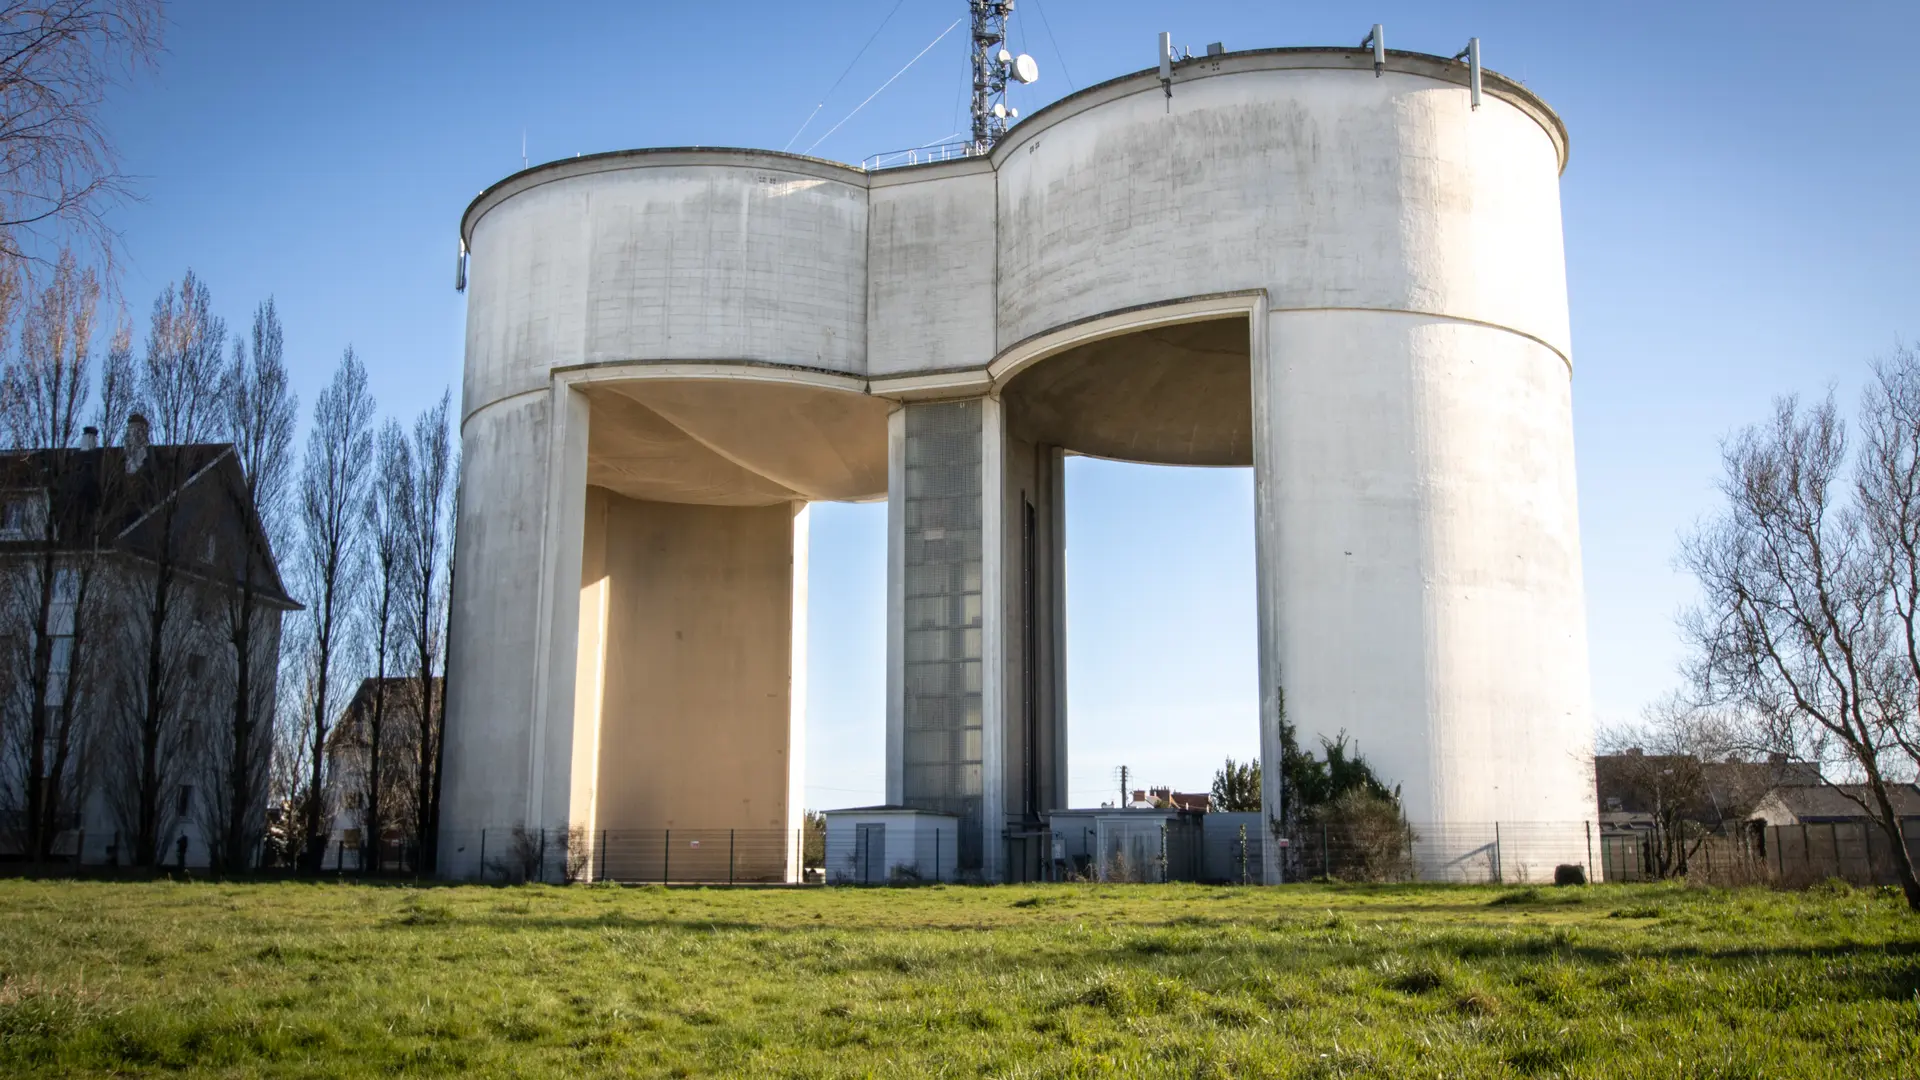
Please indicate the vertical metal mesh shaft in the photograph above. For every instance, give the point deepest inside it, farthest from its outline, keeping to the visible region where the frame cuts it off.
(943, 615)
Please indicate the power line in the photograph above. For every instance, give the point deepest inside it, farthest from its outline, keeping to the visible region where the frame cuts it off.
(1041, 8)
(884, 85)
(843, 74)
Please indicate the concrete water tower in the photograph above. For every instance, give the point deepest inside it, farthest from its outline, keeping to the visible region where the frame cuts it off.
(1341, 267)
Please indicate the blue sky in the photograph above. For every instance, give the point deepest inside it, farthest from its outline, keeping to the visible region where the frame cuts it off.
(1740, 222)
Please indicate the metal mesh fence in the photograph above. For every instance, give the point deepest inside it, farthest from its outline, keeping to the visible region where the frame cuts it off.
(1786, 855)
(628, 856)
(1229, 848)
(1214, 848)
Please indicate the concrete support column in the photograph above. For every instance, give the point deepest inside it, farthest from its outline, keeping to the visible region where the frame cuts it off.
(945, 679)
(797, 696)
(1419, 577)
(1032, 603)
(976, 716)
(510, 722)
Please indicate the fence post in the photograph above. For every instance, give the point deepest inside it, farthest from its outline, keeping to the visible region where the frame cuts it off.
(603, 856)
(483, 856)
(1498, 877)
(936, 854)
(1591, 876)
(1326, 854)
(543, 855)
(730, 856)
(666, 854)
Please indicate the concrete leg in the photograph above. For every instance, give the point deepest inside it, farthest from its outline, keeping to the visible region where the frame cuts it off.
(515, 603)
(945, 713)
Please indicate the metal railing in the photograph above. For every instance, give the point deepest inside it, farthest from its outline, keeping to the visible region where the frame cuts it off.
(917, 155)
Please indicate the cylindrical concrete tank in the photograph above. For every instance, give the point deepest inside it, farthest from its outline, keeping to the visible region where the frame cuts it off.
(1419, 541)
(1396, 257)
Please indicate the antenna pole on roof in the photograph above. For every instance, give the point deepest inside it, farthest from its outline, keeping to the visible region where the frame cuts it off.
(989, 71)
(993, 65)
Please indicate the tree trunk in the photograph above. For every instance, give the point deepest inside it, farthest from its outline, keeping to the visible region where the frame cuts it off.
(428, 752)
(38, 811)
(146, 843)
(374, 824)
(1889, 823)
(316, 795)
(240, 769)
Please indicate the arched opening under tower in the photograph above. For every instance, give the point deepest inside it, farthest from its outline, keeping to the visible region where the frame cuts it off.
(689, 693)
(1099, 412)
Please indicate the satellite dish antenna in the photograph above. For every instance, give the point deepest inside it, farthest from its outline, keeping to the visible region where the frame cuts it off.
(1005, 56)
(1025, 69)
(1011, 111)
(1000, 109)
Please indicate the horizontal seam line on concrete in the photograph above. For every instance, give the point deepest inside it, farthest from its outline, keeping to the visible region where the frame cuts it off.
(866, 382)
(498, 401)
(1536, 339)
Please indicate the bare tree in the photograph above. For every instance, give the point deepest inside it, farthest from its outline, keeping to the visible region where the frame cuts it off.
(387, 509)
(119, 382)
(1664, 764)
(427, 548)
(58, 59)
(45, 393)
(334, 489)
(1800, 627)
(258, 420)
(180, 381)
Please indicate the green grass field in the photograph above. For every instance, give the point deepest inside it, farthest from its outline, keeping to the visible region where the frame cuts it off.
(1050, 981)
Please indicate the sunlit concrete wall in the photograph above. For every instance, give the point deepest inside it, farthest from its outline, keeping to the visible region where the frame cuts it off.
(1394, 253)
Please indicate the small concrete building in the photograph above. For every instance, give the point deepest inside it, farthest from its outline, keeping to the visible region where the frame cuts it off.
(1346, 275)
(891, 845)
(1127, 844)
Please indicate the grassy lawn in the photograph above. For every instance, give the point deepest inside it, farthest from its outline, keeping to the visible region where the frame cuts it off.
(1049, 981)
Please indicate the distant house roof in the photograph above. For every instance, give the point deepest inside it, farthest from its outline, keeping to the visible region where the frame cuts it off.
(887, 809)
(1726, 788)
(1148, 798)
(92, 492)
(400, 708)
(1808, 805)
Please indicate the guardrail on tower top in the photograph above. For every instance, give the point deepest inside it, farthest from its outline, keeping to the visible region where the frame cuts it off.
(918, 155)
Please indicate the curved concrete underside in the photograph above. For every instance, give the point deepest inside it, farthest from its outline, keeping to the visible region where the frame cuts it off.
(1173, 395)
(732, 442)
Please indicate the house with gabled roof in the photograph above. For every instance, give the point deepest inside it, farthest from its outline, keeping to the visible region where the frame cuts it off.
(89, 537)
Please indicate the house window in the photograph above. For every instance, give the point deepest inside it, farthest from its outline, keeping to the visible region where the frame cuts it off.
(185, 804)
(13, 518)
(58, 666)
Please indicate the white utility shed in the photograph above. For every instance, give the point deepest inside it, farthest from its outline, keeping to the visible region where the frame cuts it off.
(879, 845)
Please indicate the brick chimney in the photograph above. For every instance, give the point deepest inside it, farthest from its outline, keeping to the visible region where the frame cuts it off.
(136, 442)
(90, 438)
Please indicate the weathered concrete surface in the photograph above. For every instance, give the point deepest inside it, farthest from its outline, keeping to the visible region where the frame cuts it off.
(696, 725)
(1356, 284)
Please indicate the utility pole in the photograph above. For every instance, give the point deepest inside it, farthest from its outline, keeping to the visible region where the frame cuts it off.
(1122, 773)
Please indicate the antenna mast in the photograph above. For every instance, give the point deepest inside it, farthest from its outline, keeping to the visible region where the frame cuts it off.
(989, 72)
